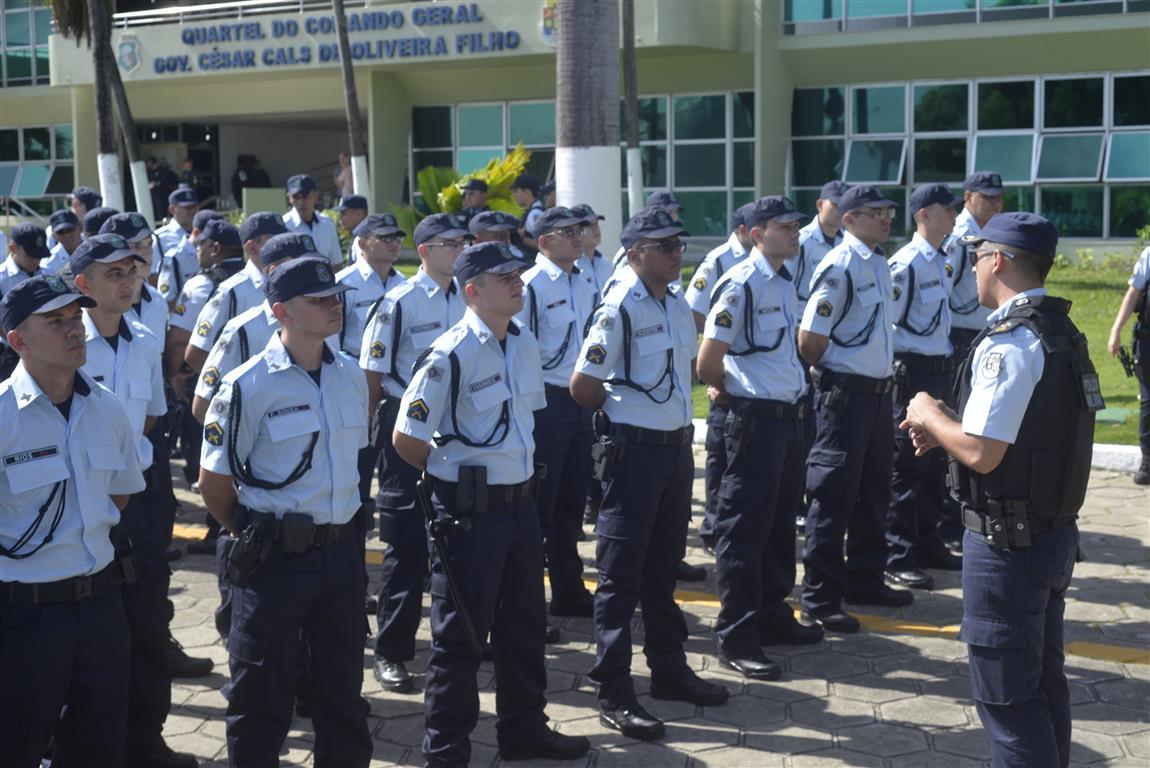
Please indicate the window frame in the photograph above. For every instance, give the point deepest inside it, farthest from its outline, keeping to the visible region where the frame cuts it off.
(907, 107)
(897, 182)
(1034, 142)
(1040, 102)
(1034, 82)
(1108, 149)
(1070, 180)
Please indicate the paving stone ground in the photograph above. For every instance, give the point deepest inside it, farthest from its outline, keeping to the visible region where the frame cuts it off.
(895, 695)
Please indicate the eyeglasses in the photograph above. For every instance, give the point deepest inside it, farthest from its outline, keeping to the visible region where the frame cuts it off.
(453, 244)
(568, 232)
(390, 239)
(499, 237)
(666, 247)
(986, 254)
(878, 214)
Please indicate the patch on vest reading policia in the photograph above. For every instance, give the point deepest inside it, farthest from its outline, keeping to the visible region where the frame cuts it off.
(214, 433)
(824, 309)
(417, 410)
(204, 328)
(596, 353)
(377, 349)
(992, 365)
(211, 376)
(724, 319)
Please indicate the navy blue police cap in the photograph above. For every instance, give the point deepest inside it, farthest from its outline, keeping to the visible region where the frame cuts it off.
(926, 195)
(95, 218)
(439, 225)
(380, 224)
(300, 184)
(262, 223)
(289, 245)
(863, 196)
(36, 296)
(352, 203)
(771, 208)
(496, 258)
(986, 182)
(100, 249)
(1025, 231)
(131, 226)
(492, 221)
(665, 200)
(303, 276)
(202, 217)
(222, 232)
(833, 191)
(587, 213)
(475, 185)
(526, 181)
(652, 223)
(183, 196)
(88, 196)
(32, 239)
(62, 220)
(555, 218)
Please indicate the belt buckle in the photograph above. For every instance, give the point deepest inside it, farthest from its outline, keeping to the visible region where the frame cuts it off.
(83, 588)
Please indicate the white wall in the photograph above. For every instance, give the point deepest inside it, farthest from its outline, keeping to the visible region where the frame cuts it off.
(282, 150)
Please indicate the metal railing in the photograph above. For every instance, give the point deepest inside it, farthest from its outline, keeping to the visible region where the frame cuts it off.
(237, 10)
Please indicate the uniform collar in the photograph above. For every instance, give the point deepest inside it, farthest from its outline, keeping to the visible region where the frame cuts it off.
(12, 268)
(1007, 305)
(859, 247)
(924, 247)
(91, 332)
(145, 294)
(278, 358)
(761, 264)
(476, 325)
(27, 391)
(551, 269)
(965, 222)
(638, 290)
(367, 273)
(736, 247)
(254, 274)
(292, 217)
(268, 314)
(428, 284)
(817, 234)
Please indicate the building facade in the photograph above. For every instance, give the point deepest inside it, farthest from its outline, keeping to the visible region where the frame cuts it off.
(737, 97)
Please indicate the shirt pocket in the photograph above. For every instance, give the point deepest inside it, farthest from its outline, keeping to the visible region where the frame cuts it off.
(139, 389)
(935, 293)
(103, 462)
(36, 473)
(770, 321)
(868, 294)
(285, 427)
(489, 398)
(426, 335)
(560, 316)
(654, 342)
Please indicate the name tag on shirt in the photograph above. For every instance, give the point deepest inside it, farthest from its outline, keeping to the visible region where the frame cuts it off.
(482, 384)
(288, 410)
(24, 457)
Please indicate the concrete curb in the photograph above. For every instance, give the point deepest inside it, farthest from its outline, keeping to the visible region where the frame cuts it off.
(1116, 458)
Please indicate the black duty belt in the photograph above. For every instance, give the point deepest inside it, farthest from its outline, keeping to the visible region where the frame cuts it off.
(826, 379)
(496, 494)
(681, 436)
(74, 590)
(979, 522)
(553, 391)
(927, 363)
(321, 535)
(772, 409)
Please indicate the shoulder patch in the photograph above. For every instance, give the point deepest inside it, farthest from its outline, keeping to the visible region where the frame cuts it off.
(897, 293)
(992, 365)
(700, 283)
(724, 319)
(949, 269)
(832, 282)
(1004, 326)
(434, 373)
(204, 328)
(377, 349)
(596, 354)
(211, 376)
(606, 322)
(180, 309)
(163, 287)
(418, 410)
(824, 309)
(214, 433)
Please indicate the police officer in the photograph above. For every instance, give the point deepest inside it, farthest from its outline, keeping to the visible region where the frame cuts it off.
(493, 227)
(220, 254)
(82, 200)
(180, 261)
(635, 366)
(1136, 303)
(663, 200)
(401, 326)
(474, 199)
(70, 465)
(749, 357)
(922, 363)
(303, 196)
(1020, 451)
(67, 233)
(847, 336)
(27, 252)
(525, 191)
(379, 239)
(239, 292)
(592, 260)
(148, 305)
(95, 218)
(557, 305)
(817, 238)
(278, 469)
(466, 420)
(982, 199)
(124, 356)
(352, 210)
(182, 204)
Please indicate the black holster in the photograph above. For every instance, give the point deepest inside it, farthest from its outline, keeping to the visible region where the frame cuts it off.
(248, 552)
(297, 531)
(471, 490)
(124, 560)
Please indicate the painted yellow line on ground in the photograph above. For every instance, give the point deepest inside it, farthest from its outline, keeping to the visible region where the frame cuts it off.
(1119, 654)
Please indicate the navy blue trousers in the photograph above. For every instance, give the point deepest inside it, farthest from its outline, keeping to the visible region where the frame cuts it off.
(848, 484)
(57, 655)
(498, 565)
(917, 485)
(563, 445)
(317, 594)
(755, 529)
(642, 535)
(404, 571)
(1142, 352)
(1012, 612)
(713, 469)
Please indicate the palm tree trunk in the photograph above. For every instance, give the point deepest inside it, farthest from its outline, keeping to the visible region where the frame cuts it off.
(587, 166)
(359, 173)
(131, 141)
(631, 111)
(108, 162)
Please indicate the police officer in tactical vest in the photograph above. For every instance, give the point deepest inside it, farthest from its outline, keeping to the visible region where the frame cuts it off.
(1137, 302)
(1020, 450)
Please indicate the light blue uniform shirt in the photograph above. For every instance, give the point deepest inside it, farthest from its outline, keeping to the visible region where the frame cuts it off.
(813, 246)
(921, 307)
(132, 371)
(662, 343)
(713, 266)
(281, 409)
(1140, 278)
(767, 321)
(369, 289)
(556, 306)
(152, 311)
(491, 382)
(966, 312)
(600, 269)
(1005, 369)
(169, 235)
(94, 452)
(407, 321)
(57, 259)
(242, 338)
(234, 296)
(851, 302)
(180, 265)
(322, 231)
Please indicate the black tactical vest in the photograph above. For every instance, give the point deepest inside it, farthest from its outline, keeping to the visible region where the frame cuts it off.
(1048, 466)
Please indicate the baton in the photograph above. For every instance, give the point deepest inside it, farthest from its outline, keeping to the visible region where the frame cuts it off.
(439, 530)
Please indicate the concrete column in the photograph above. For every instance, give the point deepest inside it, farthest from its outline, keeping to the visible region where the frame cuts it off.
(388, 126)
(84, 136)
(773, 91)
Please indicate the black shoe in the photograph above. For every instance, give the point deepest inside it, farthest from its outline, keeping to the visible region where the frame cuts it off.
(690, 688)
(912, 579)
(836, 621)
(789, 631)
(204, 546)
(954, 546)
(172, 554)
(553, 746)
(943, 560)
(181, 665)
(591, 513)
(393, 676)
(582, 605)
(882, 595)
(684, 571)
(709, 546)
(800, 524)
(1142, 476)
(551, 637)
(755, 666)
(634, 722)
(161, 756)
(370, 605)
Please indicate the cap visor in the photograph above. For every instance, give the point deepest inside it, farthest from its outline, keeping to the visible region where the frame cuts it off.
(659, 234)
(140, 235)
(786, 218)
(972, 239)
(63, 300)
(884, 203)
(115, 256)
(62, 228)
(330, 291)
(453, 233)
(509, 266)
